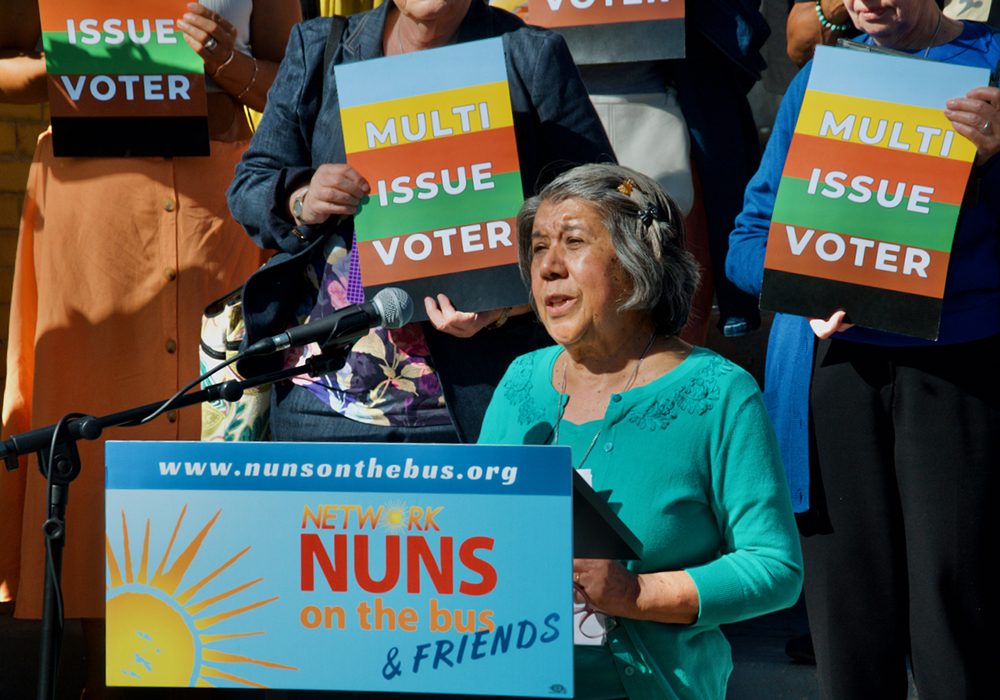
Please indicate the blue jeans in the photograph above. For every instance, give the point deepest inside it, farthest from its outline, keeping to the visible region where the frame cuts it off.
(297, 415)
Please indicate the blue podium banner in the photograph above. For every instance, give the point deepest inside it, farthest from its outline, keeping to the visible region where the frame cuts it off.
(367, 567)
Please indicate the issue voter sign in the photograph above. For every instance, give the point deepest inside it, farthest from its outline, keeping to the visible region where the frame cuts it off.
(433, 134)
(122, 80)
(613, 31)
(869, 199)
(363, 567)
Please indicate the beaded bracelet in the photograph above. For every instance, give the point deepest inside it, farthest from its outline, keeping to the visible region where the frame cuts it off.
(252, 78)
(827, 23)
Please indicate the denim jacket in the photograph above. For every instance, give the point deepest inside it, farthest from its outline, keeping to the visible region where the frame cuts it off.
(556, 128)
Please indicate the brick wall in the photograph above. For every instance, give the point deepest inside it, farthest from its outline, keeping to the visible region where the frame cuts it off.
(20, 126)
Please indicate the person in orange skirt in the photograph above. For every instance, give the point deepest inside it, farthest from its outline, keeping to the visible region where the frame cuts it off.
(116, 259)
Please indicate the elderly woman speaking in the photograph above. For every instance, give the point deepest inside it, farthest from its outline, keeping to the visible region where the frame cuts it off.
(677, 436)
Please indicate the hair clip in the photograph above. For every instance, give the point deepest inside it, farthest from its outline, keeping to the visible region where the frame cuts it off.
(649, 214)
(626, 187)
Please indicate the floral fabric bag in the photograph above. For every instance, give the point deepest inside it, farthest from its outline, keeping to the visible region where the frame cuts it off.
(248, 419)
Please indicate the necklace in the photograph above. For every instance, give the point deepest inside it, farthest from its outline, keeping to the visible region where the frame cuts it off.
(562, 404)
(930, 46)
(399, 40)
(934, 38)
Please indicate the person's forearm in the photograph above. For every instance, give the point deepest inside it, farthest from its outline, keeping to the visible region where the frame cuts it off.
(663, 596)
(804, 32)
(247, 79)
(667, 596)
(22, 77)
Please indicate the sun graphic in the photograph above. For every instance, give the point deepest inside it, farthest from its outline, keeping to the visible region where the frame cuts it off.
(155, 635)
(394, 516)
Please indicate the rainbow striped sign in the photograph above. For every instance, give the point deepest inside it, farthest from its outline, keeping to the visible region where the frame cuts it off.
(122, 80)
(433, 134)
(612, 31)
(870, 194)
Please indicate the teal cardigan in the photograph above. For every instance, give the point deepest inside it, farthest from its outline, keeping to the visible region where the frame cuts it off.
(691, 464)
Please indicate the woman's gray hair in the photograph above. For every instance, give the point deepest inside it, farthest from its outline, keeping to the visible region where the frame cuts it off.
(647, 233)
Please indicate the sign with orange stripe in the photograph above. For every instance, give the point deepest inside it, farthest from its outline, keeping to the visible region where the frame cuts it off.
(433, 133)
(611, 31)
(870, 193)
(122, 80)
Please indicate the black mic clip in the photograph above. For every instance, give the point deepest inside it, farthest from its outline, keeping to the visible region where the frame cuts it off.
(331, 360)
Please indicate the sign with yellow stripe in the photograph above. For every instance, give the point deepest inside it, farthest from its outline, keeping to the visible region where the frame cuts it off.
(870, 193)
(433, 133)
(122, 80)
(888, 125)
(420, 118)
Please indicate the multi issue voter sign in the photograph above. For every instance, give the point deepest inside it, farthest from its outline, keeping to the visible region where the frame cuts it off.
(869, 198)
(363, 567)
(433, 134)
(122, 81)
(612, 31)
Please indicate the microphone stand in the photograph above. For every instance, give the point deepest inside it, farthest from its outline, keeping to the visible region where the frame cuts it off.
(65, 467)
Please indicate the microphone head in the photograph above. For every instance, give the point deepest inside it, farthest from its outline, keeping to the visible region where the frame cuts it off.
(394, 306)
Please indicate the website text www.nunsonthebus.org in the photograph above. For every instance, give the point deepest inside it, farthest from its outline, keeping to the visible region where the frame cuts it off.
(361, 469)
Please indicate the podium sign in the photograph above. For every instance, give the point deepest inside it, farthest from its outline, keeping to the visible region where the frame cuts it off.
(363, 567)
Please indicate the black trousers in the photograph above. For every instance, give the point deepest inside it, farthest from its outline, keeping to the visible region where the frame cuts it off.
(906, 476)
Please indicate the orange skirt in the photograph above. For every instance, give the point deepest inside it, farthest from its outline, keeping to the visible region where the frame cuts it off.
(116, 260)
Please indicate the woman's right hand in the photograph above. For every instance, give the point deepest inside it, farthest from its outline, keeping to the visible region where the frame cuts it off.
(665, 596)
(211, 35)
(334, 190)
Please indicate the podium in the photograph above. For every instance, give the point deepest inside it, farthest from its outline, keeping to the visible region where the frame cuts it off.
(598, 533)
(439, 569)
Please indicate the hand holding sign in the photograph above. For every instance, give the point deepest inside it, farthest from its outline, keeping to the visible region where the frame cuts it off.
(461, 324)
(975, 117)
(210, 34)
(447, 319)
(825, 328)
(335, 189)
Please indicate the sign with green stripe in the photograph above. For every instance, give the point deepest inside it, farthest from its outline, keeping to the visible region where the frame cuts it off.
(870, 193)
(433, 134)
(887, 220)
(122, 80)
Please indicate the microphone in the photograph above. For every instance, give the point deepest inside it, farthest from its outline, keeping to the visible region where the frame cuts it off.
(391, 308)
